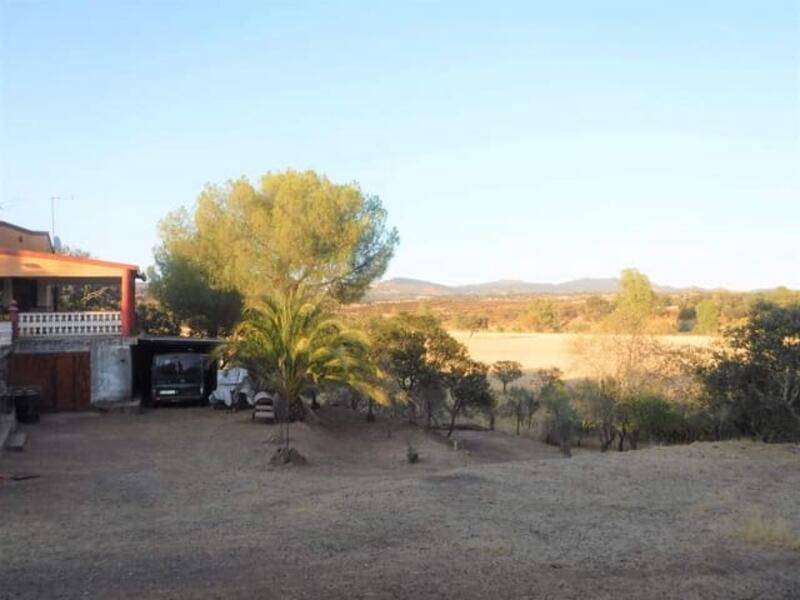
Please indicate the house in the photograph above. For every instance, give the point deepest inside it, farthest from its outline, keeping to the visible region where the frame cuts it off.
(77, 358)
(15, 237)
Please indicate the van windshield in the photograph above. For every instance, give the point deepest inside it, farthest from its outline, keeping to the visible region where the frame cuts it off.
(176, 367)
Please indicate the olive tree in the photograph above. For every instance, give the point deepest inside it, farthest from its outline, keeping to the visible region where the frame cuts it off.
(506, 371)
(521, 404)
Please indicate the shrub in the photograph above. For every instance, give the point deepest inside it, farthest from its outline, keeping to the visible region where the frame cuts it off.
(562, 418)
(521, 405)
(753, 383)
(650, 416)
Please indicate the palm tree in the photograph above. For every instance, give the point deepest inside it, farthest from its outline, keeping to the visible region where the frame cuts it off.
(291, 342)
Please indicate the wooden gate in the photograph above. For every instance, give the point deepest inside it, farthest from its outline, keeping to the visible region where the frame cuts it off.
(64, 378)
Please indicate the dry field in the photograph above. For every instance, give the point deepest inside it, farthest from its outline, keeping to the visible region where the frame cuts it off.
(180, 503)
(544, 350)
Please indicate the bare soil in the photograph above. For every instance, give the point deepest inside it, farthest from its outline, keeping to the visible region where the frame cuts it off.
(181, 503)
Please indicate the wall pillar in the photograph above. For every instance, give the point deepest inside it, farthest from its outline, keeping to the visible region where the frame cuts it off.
(8, 291)
(13, 316)
(128, 303)
(44, 295)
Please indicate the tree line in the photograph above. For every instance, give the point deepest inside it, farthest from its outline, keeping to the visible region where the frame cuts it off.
(746, 385)
(685, 312)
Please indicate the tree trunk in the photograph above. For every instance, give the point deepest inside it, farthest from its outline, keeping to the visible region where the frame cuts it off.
(370, 414)
(453, 416)
(608, 438)
(565, 444)
(428, 415)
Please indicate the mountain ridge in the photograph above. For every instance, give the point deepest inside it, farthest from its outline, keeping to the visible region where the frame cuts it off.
(398, 288)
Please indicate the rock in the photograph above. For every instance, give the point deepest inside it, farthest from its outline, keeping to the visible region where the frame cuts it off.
(285, 456)
(275, 438)
(16, 442)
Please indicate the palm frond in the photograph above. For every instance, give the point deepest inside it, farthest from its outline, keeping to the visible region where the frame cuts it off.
(294, 341)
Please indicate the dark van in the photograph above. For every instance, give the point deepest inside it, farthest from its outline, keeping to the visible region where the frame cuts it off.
(179, 377)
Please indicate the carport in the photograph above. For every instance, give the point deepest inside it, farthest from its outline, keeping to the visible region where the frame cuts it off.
(147, 347)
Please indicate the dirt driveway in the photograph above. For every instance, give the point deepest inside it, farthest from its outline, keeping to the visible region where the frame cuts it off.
(181, 504)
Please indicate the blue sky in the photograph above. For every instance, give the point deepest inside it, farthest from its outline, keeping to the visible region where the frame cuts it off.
(536, 140)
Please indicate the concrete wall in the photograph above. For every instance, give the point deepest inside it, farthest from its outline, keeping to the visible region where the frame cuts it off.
(112, 375)
(53, 345)
(110, 362)
(8, 418)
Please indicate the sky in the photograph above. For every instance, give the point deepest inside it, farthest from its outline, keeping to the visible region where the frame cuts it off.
(543, 141)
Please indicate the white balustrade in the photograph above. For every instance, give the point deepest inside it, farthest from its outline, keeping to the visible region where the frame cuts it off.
(65, 324)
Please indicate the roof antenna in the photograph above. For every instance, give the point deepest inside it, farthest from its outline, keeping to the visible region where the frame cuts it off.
(53, 215)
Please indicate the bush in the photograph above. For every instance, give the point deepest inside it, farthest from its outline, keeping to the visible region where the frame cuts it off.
(562, 418)
(753, 383)
(651, 417)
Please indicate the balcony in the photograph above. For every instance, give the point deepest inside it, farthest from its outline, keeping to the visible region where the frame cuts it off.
(68, 324)
(32, 286)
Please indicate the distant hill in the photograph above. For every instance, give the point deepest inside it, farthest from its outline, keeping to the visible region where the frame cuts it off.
(404, 288)
(516, 287)
(401, 288)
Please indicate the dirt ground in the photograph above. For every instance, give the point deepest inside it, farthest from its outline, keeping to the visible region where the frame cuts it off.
(180, 503)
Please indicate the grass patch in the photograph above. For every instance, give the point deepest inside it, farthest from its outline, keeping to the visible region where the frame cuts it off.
(768, 532)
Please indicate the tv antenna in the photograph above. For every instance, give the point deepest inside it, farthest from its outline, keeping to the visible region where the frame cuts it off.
(53, 215)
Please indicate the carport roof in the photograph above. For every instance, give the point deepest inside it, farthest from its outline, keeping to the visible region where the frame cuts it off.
(179, 341)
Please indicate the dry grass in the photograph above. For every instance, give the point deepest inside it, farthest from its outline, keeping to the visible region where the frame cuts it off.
(544, 350)
(181, 504)
(768, 532)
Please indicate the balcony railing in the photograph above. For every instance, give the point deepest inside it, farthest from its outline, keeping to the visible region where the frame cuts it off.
(68, 324)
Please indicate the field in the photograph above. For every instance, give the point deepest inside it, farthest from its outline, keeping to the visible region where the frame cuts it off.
(181, 503)
(544, 350)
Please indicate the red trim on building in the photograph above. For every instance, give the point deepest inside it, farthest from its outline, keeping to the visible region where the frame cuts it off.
(128, 304)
